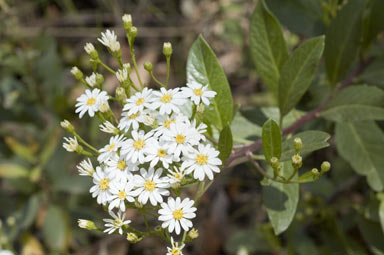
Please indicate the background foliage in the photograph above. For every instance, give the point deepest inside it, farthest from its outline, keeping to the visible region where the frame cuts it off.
(325, 55)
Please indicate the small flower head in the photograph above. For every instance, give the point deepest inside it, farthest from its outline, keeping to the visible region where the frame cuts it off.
(133, 238)
(198, 93)
(109, 39)
(77, 73)
(108, 127)
(297, 161)
(167, 49)
(193, 234)
(176, 248)
(71, 144)
(67, 126)
(86, 224)
(168, 100)
(91, 51)
(85, 168)
(116, 223)
(102, 187)
(297, 144)
(90, 102)
(127, 21)
(325, 166)
(122, 75)
(91, 80)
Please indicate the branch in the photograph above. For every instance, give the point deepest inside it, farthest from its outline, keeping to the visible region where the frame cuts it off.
(304, 119)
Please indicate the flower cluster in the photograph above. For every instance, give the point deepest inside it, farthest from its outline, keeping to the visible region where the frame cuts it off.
(154, 150)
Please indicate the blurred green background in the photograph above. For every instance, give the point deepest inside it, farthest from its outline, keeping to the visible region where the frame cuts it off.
(41, 194)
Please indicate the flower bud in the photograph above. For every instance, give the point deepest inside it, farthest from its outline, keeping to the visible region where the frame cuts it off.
(297, 144)
(325, 167)
(148, 66)
(193, 234)
(200, 108)
(138, 204)
(67, 126)
(297, 161)
(77, 73)
(104, 107)
(86, 224)
(274, 162)
(133, 32)
(120, 94)
(133, 238)
(91, 51)
(315, 172)
(167, 49)
(127, 67)
(127, 21)
(99, 79)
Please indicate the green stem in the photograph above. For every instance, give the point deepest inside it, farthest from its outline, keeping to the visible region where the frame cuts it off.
(156, 80)
(293, 174)
(86, 144)
(168, 69)
(107, 67)
(184, 236)
(135, 65)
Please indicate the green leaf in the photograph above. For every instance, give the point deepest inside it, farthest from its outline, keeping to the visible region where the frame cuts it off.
(372, 235)
(374, 73)
(10, 170)
(271, 138)
(21, 150)
(312, 141)
(243, 129)
(225, 143)
(308, 177)
(356, 103)
(373, 21)
(297, 73)
(381, 215)
(281, 200)
(362, 145)
(55, 229)
(268, 48)
(274, 113)
(342, 40)
(204, 68)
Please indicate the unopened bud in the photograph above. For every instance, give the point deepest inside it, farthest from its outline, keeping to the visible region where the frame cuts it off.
(120, 94)
(138, 204)
(274, 162)
(315, 172)
(99, 79)
(325, 166)
(167, 49)
(67, 126)
(127, 67)
(91, 51)
(133, 32)
(148, 66)
(77, 73)
(127, 21)
(104, 107)
(133, 238)
(200, 108)
(86, 224)
(297, 144)
(193, 234)
(297, 161)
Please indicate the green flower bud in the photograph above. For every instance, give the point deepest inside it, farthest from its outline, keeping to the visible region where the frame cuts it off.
(325, 167)
(193, 234)
(148, 66)
(99, 79)
(91, 51)
(133, 32)
(167, 49)
(86, 224)
(133, 238)
(77, 73)
(67, 126)
(200, 108)
(127, 21)
(297, 144)
(315, 172)
(120, 94)
(274, 162)
(297, 161)
(138, 204)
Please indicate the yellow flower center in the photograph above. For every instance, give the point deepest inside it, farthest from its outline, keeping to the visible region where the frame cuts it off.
(201, 159)
(139, 101)
(166, 98)
(139, 144)
(198, 92)
(178, 214)
(121, 194)
(104, 184)
(133, 116)
(121, 165)
(180, 139)
(117, 222)
(175, 251)
(91, 101)
(177, 176)
(168, 123)
(149, 185)
(110, 147)
(161, 153)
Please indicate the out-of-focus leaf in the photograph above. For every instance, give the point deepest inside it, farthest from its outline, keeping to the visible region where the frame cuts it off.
(225, 143)
(271, 138)
(21, 150)
(243, 130)
(11, 170)
(274, 113)
(374, 73)
(204, 68)
(50, 146)
(373, 21)
(30, 211)
(55, 229)
(372, 235)
(312, 141)
(342, 40)
(253, 240)
(362, 145)
(281, 200)
(297, 73)
(268, 48)
(356, 103)
(381, 214)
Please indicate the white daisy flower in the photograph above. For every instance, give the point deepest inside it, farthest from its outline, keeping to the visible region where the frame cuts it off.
(91, 80)
(85, 168)
(135, 149)
(109, 39)
(201, 162)
(198, 93)
(118, 167)
(71, 144)
(151, 186)
(176, 175)
(115, 142)
(90, 102)
(176, 214)
(121, 191)
(176, 248)
(89, 48)
(165, 121)
(116, 223)
(129, 120)
(102, 186)
(6, 252)
(179, 139)
(158, 152)
(108, 127)
(138, 101)
(168, 100)
(199, 130)
(103, 103)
